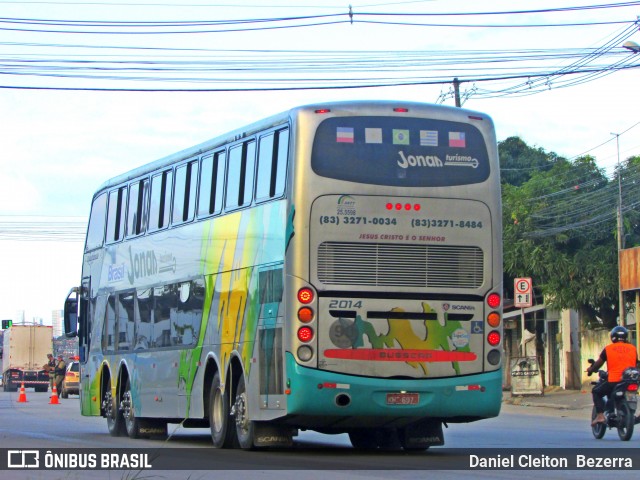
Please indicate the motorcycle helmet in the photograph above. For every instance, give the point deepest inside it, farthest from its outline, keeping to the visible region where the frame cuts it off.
(619, 333)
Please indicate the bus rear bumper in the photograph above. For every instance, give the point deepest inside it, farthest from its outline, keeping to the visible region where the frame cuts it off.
(317, 393)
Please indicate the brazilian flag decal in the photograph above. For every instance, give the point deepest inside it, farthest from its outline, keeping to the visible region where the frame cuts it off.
(400, 137)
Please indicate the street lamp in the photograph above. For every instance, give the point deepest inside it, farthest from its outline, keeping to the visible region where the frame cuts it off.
(620, 234)
(633, 46)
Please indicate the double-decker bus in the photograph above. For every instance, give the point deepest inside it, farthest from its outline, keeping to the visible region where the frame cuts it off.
(337, 268)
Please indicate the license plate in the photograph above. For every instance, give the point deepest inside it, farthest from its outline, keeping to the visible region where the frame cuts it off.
(403, 398)
(631, 396)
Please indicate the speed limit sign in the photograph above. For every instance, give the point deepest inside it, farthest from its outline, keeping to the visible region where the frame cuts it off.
(522, 292)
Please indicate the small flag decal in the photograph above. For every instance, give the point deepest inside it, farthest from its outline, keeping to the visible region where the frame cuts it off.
(400, 137)
(429, 138)
(457, 139)
(373, 135)
(344, 135)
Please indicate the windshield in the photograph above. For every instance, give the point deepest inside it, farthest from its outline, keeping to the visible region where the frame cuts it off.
(399, 151)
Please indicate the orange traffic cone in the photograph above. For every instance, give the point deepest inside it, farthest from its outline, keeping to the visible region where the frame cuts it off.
(54, 396)
(22, 398)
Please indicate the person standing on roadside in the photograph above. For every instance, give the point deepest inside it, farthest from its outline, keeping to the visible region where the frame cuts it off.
(50, 367)
(60, 370)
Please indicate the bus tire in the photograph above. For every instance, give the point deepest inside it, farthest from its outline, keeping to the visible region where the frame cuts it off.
(113, 414)
(131, 423)
(245, 428)
(219, 416)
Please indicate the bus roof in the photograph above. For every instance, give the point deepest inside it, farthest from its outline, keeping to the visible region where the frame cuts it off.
(273, 121)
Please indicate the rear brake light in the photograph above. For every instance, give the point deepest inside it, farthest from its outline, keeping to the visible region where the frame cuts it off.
(323, 110)
(400, 109)
(406, 206)
(493, 338)
(493, 300)
(632, 387)
(305, 295)
(305, 334)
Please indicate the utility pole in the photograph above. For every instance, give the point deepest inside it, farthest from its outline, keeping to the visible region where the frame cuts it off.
(620, 225)
(456, 91)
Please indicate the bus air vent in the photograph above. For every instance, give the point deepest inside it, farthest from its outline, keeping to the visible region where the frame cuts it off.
(386, 265)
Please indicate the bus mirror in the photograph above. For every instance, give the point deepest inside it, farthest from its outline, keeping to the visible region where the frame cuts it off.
(71, 314)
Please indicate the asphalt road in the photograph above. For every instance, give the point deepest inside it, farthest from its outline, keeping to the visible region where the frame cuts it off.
(38, 424)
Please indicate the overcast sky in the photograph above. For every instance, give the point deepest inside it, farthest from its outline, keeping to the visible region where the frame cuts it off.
(58, 146)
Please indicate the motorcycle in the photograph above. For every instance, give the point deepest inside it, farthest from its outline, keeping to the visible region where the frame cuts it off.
(620, 406)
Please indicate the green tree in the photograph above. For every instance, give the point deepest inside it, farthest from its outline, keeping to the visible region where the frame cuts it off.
(559, 229)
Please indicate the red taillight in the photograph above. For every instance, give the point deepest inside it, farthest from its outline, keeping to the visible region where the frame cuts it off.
(493, 338)
(400, 109)
(493, 300)
(632, 387)
(305, 334)
(407, 206)
(305, 314)
(305, 295)
(323, 110)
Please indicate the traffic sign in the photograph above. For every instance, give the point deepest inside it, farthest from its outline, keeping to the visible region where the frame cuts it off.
(522, 292)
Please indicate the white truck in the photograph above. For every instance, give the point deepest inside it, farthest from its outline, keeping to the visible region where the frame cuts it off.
(24, 356)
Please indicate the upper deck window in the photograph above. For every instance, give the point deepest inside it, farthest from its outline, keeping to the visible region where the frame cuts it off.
(400, 151)
(160, 200)
(211, 184)
(97, 220)
(116, 214)
(184, 193)
(137, 215)
(272, 165)
(240, 174)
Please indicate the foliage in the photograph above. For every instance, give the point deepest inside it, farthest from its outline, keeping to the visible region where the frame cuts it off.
(559, 220)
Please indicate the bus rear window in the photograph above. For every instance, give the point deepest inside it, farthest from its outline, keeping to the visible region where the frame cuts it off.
(398, 151)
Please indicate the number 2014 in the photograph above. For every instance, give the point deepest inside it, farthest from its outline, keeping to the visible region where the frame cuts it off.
(345, 304)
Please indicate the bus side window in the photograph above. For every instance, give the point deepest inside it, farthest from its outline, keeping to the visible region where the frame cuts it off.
(126, 321)
(185, 324)
(136, 217)
(160, 200)
(211, 184)
(240, 174)
(272, 165)
(109, 329)
(144, 330)
(97, 221)
(279, 177)
(116, 214)
(164, 301)
(184, 193)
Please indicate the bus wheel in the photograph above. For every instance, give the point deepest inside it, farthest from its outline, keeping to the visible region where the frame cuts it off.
(245, 429)
(219, 418)
(131, 423)
(115, 420)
